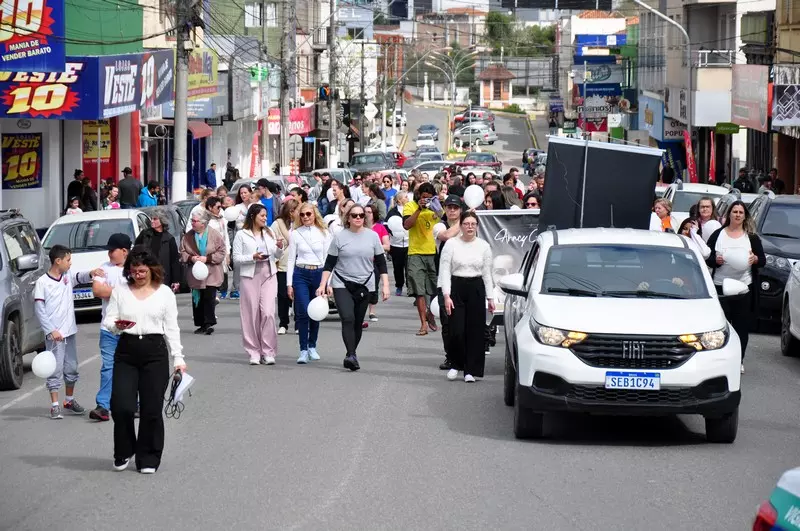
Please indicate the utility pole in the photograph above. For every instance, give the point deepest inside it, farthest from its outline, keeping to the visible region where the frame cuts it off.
(287, 75)
(384, 98)
(184, 47)
(333, 114)
(362, 132)
(263, 85)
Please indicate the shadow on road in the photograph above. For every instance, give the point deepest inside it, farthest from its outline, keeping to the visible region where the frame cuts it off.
(77, 463)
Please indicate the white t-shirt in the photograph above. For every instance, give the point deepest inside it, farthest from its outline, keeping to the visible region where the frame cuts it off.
(113, 278)
(727, 246)
(54, 302)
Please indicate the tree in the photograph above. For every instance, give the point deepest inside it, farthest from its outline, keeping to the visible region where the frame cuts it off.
(503, 33)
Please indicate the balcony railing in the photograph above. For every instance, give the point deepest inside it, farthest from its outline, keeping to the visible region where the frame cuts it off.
(713, 58)
(320, 37)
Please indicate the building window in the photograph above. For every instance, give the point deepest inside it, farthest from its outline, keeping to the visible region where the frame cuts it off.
(272, 15)
(355, 33)
(253, 16)
(498, 90)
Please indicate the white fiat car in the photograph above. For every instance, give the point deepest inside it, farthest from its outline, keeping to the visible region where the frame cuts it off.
(619, 321)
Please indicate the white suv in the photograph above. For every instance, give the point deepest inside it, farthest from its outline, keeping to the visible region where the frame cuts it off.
(618, 321)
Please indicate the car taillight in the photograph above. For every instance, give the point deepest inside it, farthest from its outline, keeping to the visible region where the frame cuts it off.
(765, 517)
(485, 135)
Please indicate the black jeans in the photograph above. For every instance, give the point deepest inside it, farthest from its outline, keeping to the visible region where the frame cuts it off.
(141, 368)
(224, 287)
(444, 321)
(468, 325)
(283, 301)
(203, 311)
(351, 313)
(739, 313)
(399, 256)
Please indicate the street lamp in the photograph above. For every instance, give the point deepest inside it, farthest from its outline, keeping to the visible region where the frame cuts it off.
(452, 67)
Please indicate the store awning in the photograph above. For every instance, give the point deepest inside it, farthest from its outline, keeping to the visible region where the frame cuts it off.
(197, 128)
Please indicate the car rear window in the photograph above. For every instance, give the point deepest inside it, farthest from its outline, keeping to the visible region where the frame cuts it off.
(782, 221)
(682, 201)
(87, 235)
(481, 157)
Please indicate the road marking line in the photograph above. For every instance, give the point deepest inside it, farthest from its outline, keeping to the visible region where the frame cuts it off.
(42, 387)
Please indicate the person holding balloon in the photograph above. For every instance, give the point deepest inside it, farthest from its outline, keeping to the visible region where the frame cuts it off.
(204, 250)
(308, 246)
(449, 227)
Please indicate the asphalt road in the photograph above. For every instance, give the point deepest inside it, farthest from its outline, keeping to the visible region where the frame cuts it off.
(394, 446)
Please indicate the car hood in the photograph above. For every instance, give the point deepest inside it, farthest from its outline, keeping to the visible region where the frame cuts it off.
(86, 261)
(629, 316)
(785, 247)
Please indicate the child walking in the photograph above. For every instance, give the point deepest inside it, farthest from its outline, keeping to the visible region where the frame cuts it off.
(55, 310)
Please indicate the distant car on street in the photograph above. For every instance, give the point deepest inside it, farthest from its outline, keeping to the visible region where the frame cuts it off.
(425, 139)
(429, 129)
(480, 158)
(475, 134)
(373, 161)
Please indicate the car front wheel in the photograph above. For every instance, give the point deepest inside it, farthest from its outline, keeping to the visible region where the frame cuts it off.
(11, 358)
(527, 424)
(723, 429)
(790, 345)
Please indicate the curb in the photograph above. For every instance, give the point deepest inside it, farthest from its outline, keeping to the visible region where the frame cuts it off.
(532, 132)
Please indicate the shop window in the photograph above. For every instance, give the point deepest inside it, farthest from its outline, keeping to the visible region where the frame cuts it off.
(355, 33)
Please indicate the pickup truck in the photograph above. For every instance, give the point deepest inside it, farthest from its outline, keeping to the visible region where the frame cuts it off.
(478, 158)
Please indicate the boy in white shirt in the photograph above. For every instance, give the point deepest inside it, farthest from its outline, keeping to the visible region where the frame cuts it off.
(119, 245)
(55, 310)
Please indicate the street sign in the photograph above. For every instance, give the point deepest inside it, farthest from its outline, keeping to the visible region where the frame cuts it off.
(725, 128)
(295, 146)
(370, 111)
(309, 139)
(569, 126)
(259, 73)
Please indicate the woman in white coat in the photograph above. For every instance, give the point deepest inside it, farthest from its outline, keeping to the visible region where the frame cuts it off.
(256, 251)
(662, 218)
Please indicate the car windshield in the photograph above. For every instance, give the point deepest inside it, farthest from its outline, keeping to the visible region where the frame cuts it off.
(682, 201)
(782, 221)
(88, 235)
(481, 157)
(624, 271)
(427, 128)
(368, 159)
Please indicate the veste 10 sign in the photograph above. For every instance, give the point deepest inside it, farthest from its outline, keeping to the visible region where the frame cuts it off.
(32, 36)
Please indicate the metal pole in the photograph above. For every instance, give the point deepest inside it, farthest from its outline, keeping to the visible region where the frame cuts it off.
(395, 64)
(333, 114)
(261, 84)
(383, 110)
(99, 161)
(585, 97)
(287, 74)
(363, 102)
(180, 148)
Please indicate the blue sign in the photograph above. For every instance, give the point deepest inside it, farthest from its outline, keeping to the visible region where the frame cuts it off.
(32, 36)
(556, 105)
(651, 117)
(601, 89)
(674, 156)
(309, 139)
(601, 40)
(135, 81)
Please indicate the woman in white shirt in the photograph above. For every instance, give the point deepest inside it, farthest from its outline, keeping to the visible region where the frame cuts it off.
(707, 216)
(144, 313)
(256, 251)
(308, 246)
(244, 198)
(737, 253)
(465, 274)
(281, 228)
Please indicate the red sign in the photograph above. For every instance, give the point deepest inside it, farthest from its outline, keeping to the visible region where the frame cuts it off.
(301, 121)
(690, 165)
(255, 157)
(712, 165)
(599, 125)
(750, 96)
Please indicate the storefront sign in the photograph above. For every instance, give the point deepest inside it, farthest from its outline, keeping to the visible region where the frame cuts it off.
(651, 116)
(690, 163)
(673, 130)
(95, 145)
(556, 105)
(203, 65)
(135, 81)
(301, 121)
(786, 96)
(749, 96)
(204, 108)
(22, 161)
(673, 157)
(32, 36)
(594, 73)
(726, 128)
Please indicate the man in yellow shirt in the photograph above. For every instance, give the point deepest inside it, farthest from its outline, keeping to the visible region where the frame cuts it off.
(419, 219)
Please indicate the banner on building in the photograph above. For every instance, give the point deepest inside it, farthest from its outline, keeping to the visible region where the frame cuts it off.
(135, 81)
(255, 156)
(96, 140)
(301, 120)
(673, 157)
(750, 96)
(593, 74)
(511, 234)
(32, 36)
(203, 65)
(712, 158)
(691, 167)
(22, 161)
(216, 106)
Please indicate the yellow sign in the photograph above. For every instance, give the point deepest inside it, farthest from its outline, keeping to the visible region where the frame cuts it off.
(203, 65)
(94, 146)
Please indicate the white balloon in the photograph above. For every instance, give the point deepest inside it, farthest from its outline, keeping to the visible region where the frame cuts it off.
(435, 306)
(200, 271)
(231, 214)
(318, 309)
(473, 196)
(395, 225)
(737, 259)
(44, 364)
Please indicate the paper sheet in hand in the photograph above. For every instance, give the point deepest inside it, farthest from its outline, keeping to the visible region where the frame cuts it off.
(186, 383)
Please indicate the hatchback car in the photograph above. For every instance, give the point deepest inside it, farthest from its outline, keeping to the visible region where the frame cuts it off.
(429, 129)
(473, 134)
(22, 262)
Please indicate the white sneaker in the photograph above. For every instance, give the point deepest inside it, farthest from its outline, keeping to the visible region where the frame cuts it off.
(469, 378)
(147, 471)
(122, 465)
(313, 354)
(254, 362)
(270, 360)
(282, 331)
(742, 368)
(452, 374)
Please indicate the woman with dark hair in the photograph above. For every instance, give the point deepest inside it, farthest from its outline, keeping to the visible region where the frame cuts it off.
(378, 200)
(708, 218)
(494, 201)
(737, 253)
(340, 194)
(257, 251)
(158, 240)
(244, 198)
(531, 200)
(322, 199)
(205, 245)
(88, 196)
(465, 275)
(282, 228)
(144, 313)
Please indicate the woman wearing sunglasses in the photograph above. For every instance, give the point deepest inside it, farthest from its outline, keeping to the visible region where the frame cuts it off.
(308, 245)
(354, 255)
(531, 200)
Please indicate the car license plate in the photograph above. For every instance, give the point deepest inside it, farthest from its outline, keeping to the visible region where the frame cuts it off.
(82, 294)
(646, 381)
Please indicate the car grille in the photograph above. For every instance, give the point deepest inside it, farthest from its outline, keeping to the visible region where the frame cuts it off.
(610, 351)
(630, 396)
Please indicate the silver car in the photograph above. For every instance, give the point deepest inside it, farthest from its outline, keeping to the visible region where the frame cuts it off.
(22, 262)
(475, 134)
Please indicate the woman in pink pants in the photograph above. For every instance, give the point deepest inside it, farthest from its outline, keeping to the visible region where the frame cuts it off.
(256, 251)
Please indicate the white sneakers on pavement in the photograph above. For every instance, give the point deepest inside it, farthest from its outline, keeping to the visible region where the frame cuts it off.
(469, 378)
(270, 360)
(282, 331)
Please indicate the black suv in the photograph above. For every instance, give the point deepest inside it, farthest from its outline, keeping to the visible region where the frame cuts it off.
(777, 223)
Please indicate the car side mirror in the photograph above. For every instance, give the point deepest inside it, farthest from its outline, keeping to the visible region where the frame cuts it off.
(27, 262)
(731, 287)
(513, 284)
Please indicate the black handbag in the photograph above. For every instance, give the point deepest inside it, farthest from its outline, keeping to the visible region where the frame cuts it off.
(357, 290)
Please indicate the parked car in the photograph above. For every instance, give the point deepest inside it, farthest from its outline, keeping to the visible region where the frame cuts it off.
(185, 207)
(431, 168)
(87, 235)
(478, 158)
(580, 334)
(429, 129)
(425, 139)
(684, 195)
(429, 156)
(343, 175)
(725, 202)
(374, 161)
(472, 114)
(23, 262)
(781, 512)
(473, 134)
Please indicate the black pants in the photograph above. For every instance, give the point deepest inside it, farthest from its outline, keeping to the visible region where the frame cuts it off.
(283, 301)
(351, 313)
(203, 311)
(444, 321)
(399, 256)
(141, 369)
(468, 325)
(224, 287)
(739, 313)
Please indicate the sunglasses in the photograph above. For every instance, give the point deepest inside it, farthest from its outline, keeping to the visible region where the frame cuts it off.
(532, 204)
(357, 215)
(306, 214)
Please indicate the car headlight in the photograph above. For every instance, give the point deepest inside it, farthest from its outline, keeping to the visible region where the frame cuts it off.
(708, 340)
(555, 337)
(778, 262)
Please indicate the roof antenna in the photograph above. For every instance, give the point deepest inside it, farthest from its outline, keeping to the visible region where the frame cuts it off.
(583, 183)
(612, 216)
